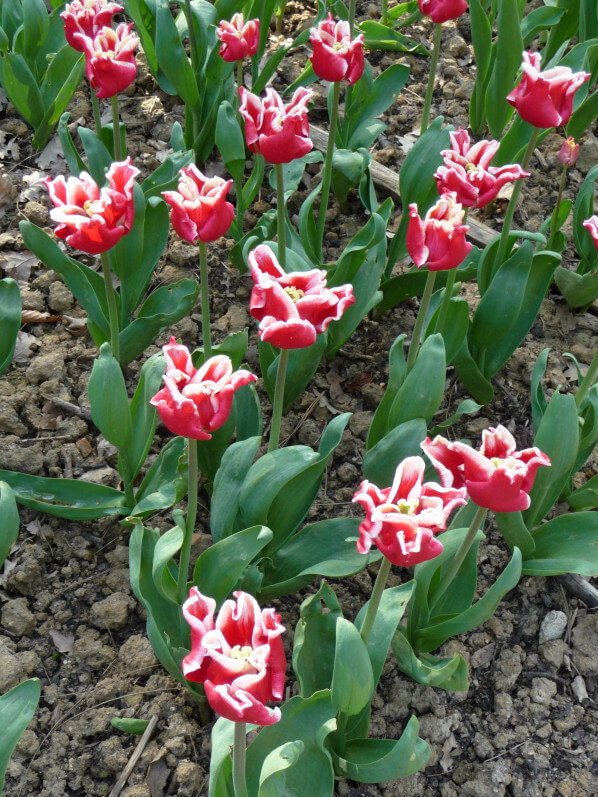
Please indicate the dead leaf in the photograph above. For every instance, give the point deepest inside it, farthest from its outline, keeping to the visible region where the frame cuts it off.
(157, 774)
(9, 149)
(355, 385)
(77, 326)
(25, 342)
(17, 265)
(335, 380)
(63, 642)
(49, 417)
(449, 749)
(35, 317)
(35, 187)
(52, 155)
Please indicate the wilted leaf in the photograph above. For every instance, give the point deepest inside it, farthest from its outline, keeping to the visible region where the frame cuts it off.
(17, 265)
(157, 775)
(63, 642)
(35, 317)
(52, 155)
(25, 342)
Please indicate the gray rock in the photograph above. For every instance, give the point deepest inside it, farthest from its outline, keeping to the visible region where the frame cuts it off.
(137, 651)
(554, 651)
(45, 366)
(60, 299)
(10, 669)
(543, 690)
(585, 645)
(112, 612)
(553, 626)
(17, 618)
(188, 777)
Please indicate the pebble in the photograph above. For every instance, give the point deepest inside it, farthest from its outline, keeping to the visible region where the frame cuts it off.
(112, 612)
(45, 366)
(553, 626)
(60, 299)
(543, 690)
(585, 645)
(188, 777)
(17, 618)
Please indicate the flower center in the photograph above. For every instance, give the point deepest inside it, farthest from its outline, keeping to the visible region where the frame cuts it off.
(471, 167)
(406, 507)
(294, 293)
(238, 652)
(92, 206)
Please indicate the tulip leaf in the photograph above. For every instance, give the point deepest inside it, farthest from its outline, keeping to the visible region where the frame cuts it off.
(143, 414)
(538, 397)
(381, 461)
(221, 765)
(109, 401)
(578, 290)
(397, 368)
(471, 376)
(75, 162)
(582, 210)
(326, 548)
(450, 674)
(382, 37)
(164, 571)
(315, 640)
(166, 176)
(234, 467)
(368, 102)
(507, 61)
(173, 59)
(9, 528)
(68, 498)
(165, 483)
(129, 725)
(588, 424)
(229, 140)
(585, 497)
(272, 775)
(302, 365)
(98, 155)
(566, 544)
(352, 678)
(422, 392)
(515, 532)
(377, 760)
(238, 551)
(17, 707)
(466, 407)
(21, 87)
(455, 327)
(10, 320)
(56, 91)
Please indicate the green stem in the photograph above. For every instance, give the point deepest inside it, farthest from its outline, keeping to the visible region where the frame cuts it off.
(239, 209)
(460, 555)
(327, 175)
(280, 211)
(352, 4)
(118, 152)
(192, 478)
(587, 381)
(374, 602)
(97, 117)
(419, 322)
(431, 78)
(205, 301)
(239, 83)
(239, 752)
(557, 207)
(384, 19)
(278, 403)
(192, 40)
(112, 308)
(506, 227)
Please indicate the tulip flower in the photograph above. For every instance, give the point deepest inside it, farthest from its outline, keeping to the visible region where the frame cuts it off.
(591, 226)
(467, 171)
(194, 403)
(293, 308)
(497, 477)
(84, 18)
(277, 131)
(89, 218)
(336, 56)
(442, 10)
(239, 39)
(438, 241)
(545, 99)
(569, 152)
(402, 519)
(238, 657)
(110, 59)
(199, 210)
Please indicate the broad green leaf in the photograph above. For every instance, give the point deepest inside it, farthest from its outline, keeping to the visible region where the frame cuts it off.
(10, 320)
(381, 461)
(455, 327)
(566, 544)
(578, 290)
(234, 467)
(9, 527)
(143, 414)
(229, 140)
(166, 547)
(165, 483)
(450, 674)
(585, 497)
(221, 765)
(17, 707)
(273, 775)
(173, 59)
(421, 393)
(98, 155)
(397, 368)
(314, 642)
(302, 365)
(382, 37)
(21, 87)
(506, 65)
(471, 376)
(538, 397)
(352, 677)
(129, 725)
(515, 532)
(109, 401)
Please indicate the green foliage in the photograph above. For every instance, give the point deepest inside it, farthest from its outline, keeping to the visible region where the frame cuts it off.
(16, 710)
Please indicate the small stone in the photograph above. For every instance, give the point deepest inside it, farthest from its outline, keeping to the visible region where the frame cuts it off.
(542, 691)
(585, 645)
(137, 653)
(60, 299)
(234, 320)
(553, 626)
(10, 669)
(554, 652)
(45, 366)
(360, 422)
(188, 777)
(17, 618)
(112, 612)
(37, 213)
(484, 656)
(579, 688)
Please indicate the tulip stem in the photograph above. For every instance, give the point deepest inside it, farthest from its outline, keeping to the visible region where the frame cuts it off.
(352, 4)
(419, 322)
(281, 212)
(431, 78)
(192, 477)
(557, 207)
(278, 402)
(327, 175)
(118, 152)
(384, 19)
(517, 186)
(205, 302)
(459, 557)
(239, 82)
(587, 381)
(192, 41)
(374, 602)
(112, 308)
(239, 753)
(97, 116)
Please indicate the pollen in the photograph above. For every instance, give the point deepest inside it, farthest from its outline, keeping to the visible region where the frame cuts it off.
(294, 293)
(238, 652)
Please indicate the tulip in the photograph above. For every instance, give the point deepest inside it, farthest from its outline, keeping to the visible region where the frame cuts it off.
(545, 99)
(497, 477)
(200, 211)
(402, 519)
(239, 39)
(591, 226)
(438, 240)
(238, 657)
(89, 218)
(336, 56)
(84, 18)
(277, 131)
(194, 403)
(293, 308)
(467, 171)
(110, 59)
(569, 152)
(442, 10)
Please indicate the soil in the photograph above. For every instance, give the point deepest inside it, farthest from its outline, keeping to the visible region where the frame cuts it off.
(528, 723)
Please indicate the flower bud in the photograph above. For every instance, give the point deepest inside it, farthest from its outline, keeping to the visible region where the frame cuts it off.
(569, 152)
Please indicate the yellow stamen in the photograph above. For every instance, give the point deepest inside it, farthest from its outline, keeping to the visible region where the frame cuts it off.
(238, 652)
(294, 293)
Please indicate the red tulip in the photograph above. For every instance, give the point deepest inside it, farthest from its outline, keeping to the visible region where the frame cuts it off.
(402, 519)
(591, 226)
(442, 10)
(545, 99)
(200, 211)
(336, 56)
(239, 657)
(194, 403)
(497, 476)
(89, 218)
(439, 240)
(110, 59)
(468, 173)
(293, 308)
(85, 18)
(569, 152)
(239, 39)
(278, 132)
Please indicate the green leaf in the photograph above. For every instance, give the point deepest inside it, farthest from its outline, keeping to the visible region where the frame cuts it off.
(506, 65)
(234, 467)
(16, 710)
(98, 155)
(455, 329)
(352, 677)
(67, 498)
(166, 547)
(566, 544)
(381, 461)
(229, 140)
(538, 397)
(10, 320)
(314, 642)
(471, 376)
(466, 407)
(397, 368)
(515, 532)
(422, 392)
(272, 775)
(9, 528)
(450, 674)
(221, 765)
(578, 290)
(585, 497)
(238, 551)
(173, 59)
(73, 159)
(302, 365)
(166, 176)
(109, 401)
(165, 483)
(381, 37)
(143, 414)
(481, 37)
(383, 92)
(129, 725)
(21, 87)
